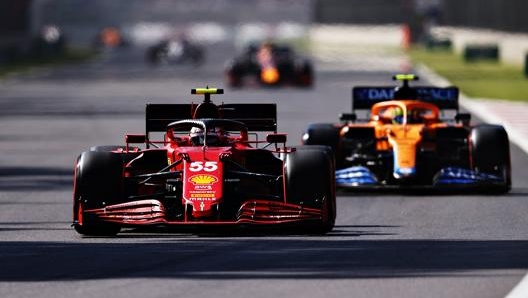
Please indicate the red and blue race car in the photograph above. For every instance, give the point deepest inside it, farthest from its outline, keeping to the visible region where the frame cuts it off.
(270, 65)
(211, 165)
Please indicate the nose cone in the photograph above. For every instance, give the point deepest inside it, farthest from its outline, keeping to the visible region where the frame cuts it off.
(269, 75)
(404, 173)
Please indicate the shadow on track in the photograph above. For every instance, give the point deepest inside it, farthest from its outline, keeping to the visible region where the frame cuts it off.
(35, 178)
(255, 258)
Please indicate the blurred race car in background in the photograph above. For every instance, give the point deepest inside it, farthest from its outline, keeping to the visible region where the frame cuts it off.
(49, 42)
(110, 38)
(212, 166)
(406, 142)
(269, 64)
(175, 51)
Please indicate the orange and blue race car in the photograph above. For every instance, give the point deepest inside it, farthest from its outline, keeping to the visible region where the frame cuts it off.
(203, 166)
(414, 137)
(269, 64)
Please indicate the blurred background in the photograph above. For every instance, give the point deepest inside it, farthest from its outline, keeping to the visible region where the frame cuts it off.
(36, 28)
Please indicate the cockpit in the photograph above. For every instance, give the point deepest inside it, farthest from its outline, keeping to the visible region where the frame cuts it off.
(405, 112)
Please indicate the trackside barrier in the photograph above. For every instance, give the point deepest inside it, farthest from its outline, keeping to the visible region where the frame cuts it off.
(481, 52)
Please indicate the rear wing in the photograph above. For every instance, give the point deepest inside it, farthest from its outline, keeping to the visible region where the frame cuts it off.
(257, 117)
(445, 98)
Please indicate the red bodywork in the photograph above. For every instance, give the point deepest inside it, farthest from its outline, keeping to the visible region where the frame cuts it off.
(202, 176)
(179, 183)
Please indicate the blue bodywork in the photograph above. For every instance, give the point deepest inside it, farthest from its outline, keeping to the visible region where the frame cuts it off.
(358, 176)
(452, 175)
(355, 176)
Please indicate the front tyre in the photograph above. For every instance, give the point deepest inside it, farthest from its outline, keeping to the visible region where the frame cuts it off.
(310, 181)
(98, 182)
(490, 153)
(305, 75)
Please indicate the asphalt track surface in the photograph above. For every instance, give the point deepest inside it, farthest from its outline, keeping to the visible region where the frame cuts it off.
(384, 245)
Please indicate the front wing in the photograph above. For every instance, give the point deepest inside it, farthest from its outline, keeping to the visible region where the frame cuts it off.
(359, 177)
(254, 212)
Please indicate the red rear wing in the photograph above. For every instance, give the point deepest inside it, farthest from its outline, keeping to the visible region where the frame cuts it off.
(257, 117)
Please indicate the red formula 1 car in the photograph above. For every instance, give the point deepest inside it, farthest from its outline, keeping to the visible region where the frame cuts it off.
(270, 65)
(409, 142)
(210, 167)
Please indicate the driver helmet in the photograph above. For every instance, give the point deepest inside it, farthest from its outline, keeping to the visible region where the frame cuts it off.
(397, 115)
(214, 137)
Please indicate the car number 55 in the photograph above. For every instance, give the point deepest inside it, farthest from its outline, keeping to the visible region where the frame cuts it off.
(208, 166)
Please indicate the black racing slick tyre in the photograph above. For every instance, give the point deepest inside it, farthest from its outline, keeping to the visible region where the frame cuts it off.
(310, 181)
(234, 73)
(325, 134)
(490, 153)
(305, 75)
(98, 182)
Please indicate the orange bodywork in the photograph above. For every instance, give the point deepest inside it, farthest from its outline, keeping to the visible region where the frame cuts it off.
(403, 135)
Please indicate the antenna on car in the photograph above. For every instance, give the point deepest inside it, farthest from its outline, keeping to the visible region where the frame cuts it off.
(207, 92)
(405, 91)
(206, 109)
(405, 78)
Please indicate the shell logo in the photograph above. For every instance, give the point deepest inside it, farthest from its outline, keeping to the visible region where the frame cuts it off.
(203, 179)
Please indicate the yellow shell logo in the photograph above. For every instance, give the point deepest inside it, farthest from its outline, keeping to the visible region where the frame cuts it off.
(203, 179)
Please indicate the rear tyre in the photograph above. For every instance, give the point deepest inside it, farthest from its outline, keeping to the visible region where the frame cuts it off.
(197, 55)
(305, 75)
(490, 153)
(98, 182)
(234, 73)
(310, 182)
(325, 134)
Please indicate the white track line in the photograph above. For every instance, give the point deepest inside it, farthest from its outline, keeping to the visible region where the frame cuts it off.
(520, 290)
(486, 114)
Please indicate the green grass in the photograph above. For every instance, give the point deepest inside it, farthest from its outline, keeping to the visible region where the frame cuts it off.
(479, 79)
(71, 56)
